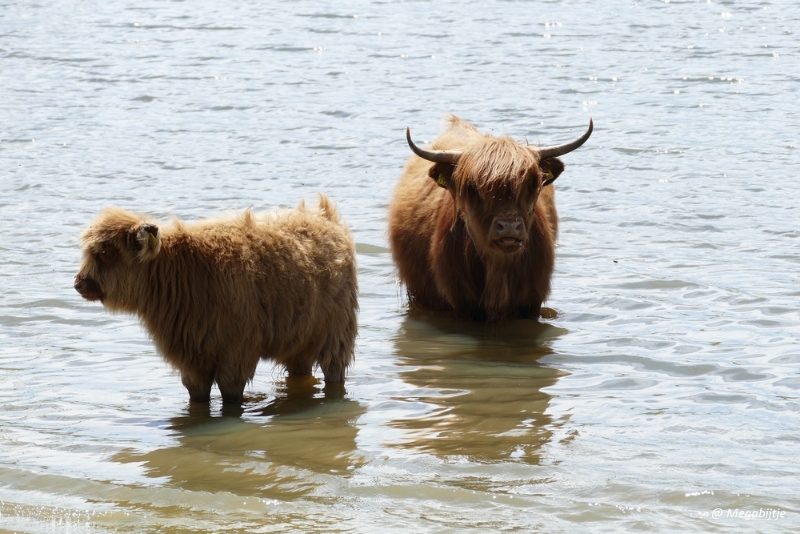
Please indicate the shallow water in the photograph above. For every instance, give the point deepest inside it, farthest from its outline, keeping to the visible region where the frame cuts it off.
(660, 392)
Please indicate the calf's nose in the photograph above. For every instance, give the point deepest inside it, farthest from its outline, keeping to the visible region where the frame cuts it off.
(87, 287)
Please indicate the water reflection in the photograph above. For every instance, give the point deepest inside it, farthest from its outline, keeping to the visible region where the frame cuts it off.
(479, 392)
(281, 447)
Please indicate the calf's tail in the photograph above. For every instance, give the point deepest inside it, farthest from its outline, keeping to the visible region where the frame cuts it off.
(327, 209)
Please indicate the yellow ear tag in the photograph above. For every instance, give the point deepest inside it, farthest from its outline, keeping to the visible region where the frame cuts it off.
(152, 241)
(441, 181)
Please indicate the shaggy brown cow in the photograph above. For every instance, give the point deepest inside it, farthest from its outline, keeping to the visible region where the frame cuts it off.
(473, 223)
(218, 295)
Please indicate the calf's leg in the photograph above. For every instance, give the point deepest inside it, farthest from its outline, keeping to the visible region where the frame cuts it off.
(232, 375)
(336, 352)
(299, 366)
(335, 357)
(198, 384)
(232, 391)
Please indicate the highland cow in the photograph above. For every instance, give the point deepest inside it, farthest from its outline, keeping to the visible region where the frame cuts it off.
(473, 224)
(218, 295)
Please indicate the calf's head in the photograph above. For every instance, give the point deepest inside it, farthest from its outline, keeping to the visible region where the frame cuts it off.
(495, 184)
(117, 247)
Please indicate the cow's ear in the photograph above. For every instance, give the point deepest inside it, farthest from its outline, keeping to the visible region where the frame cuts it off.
(551, 169)
(442, 174)
(147, 241)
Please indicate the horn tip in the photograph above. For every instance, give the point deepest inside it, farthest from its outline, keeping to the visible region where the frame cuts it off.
(411, 144)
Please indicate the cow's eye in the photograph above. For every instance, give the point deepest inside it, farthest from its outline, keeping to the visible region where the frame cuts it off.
(472, 193)
(108, 254)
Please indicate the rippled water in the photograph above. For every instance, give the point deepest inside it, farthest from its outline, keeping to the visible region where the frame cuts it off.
(661, 391)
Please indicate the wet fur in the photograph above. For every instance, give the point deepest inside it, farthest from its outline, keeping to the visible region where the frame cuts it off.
(218, 295)
(437, 234)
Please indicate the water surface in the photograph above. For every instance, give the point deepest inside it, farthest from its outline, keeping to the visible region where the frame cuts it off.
(662, 385)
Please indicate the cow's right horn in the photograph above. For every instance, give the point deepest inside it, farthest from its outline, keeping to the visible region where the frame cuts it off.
(560, 150)
(436, 156)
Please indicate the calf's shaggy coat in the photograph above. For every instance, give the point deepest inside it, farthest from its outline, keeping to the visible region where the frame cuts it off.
(218, 295)
(473, 224)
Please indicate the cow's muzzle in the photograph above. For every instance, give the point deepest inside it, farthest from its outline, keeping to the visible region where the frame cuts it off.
(88, 288)
(507, 233)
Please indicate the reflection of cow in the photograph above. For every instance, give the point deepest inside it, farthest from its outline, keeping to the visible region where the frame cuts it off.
(218, 295)
(473, 223)
(474, 397)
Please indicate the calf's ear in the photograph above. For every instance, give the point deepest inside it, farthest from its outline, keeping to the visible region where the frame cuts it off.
(441, 173)
(551, 169)
(147, 241)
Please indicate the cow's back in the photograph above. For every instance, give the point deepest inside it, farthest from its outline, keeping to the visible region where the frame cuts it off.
(306, 275)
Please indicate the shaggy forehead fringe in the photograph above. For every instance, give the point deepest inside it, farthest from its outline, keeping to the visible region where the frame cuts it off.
(110, 223)
(495, 165)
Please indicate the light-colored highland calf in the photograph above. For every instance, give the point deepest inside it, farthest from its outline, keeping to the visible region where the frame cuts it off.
(218, 295)
(473, 223)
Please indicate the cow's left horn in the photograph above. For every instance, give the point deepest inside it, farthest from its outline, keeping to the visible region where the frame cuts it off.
(436, 156)
(560, 150)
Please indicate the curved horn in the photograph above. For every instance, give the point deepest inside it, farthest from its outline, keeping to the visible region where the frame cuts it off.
(436, 156)
(560, 150)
